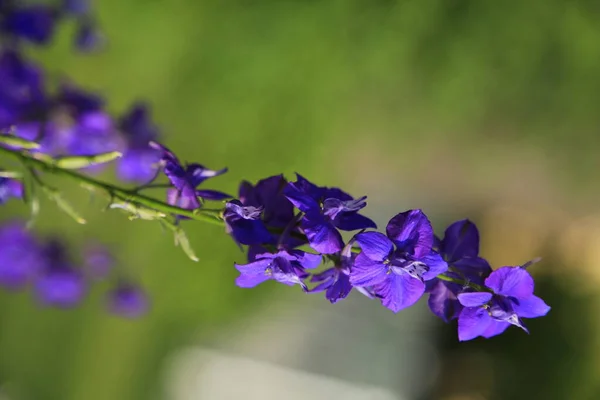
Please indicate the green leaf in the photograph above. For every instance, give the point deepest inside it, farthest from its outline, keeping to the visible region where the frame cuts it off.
(138, 211)
(76, 162)
(15, 141)
(64, 205)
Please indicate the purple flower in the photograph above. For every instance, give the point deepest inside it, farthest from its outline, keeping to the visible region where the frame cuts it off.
(99, 262)
(59, 284)
(93, 133)
(10, 188)
(277, 213)
(88, 37)
(127, 300)
(489, 314)
(287, 267)
(325, 211)
(22, 90)
(460, 249)
(397, 275)
(185, 179)
(140, 161)
(34, 23)
(20, 257)
(243, 223)
(336, 281)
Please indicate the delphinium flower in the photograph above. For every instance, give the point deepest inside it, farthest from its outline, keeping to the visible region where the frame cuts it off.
(263, 216)
(510, 298)
(460, 249)
(22, 97)
(127, 300)
(10, 188)
(287, 267)
(98, 261)
(31, 22)
(88, 36)
(325, 211)
(185, 179)
(397, 265)
(83, 127)
(20, 256)
(335, 281)
(59, 283)
(140, 161)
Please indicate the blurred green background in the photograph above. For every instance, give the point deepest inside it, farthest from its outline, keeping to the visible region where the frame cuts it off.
(483, 109)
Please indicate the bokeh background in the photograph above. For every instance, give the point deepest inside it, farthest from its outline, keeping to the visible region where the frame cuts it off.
(465, 108)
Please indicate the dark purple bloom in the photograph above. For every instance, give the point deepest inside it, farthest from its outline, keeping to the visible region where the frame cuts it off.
(98, 261)
(20, 257)
(287, 267)
(127, 300)
(185, 179)
(140, 161)
(21, 92)
(243, 223)
(59, 284)
(460, 249)
(34, 23)
(93, 133)
(336, 281)
(325, 211)
(88, 37)
(76, 7)
(10, 188)
(511, 298)
(397, 275)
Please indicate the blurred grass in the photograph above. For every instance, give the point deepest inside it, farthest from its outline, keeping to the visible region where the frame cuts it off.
(265, 87)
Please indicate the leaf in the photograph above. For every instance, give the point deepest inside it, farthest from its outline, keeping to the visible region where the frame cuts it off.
(76, 162)
(181, 239)
(15, 141)
(63, 205)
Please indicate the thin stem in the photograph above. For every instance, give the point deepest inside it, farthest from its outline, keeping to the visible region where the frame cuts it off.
(130, 196)
(462, 282)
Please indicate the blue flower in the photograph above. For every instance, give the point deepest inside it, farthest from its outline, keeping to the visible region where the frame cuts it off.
(140, 161)
(325, 211)
(59, 283)
(20, 256)
(10, 188)
(460, 249)
(396, 266)
(335, 281)
(185, 179)
(34, 23)
(287, 267)
(127, 300)
(510, 298)
(244, 224)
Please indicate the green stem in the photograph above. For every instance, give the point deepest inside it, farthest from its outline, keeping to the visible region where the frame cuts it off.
(130, 196)
(462, 282)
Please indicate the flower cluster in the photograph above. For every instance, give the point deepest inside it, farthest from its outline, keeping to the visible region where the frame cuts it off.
(289, 229)
(46, 267)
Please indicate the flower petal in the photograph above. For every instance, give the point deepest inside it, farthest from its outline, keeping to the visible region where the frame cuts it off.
(474, 299)
(303, 194)
(340, 289)
(366, 272)
(461, 239)
(436, 265)
(374, 245)
(511, 281)
(353, 222)
(442, 300)
(307, 260)
(252, 273)
(321, 234)
(212, 195)
(411, 231)
(399, 291)
(473, 322)
(531, 307)
(495, 328)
